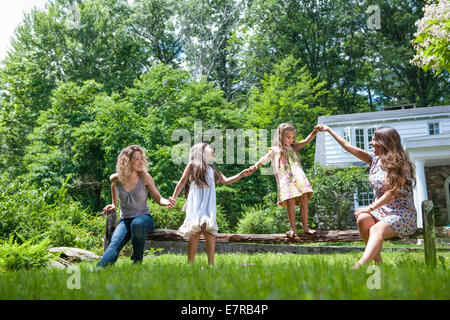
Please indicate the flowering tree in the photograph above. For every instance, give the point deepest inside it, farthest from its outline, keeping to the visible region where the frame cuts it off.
(432, 41)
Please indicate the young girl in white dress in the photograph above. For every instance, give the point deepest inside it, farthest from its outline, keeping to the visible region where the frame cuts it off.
(200, 178)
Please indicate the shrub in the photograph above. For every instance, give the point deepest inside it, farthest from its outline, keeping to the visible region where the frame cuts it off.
(331, 206)
(61, 234)
(260, 219)
(30, 212)
(14, 256)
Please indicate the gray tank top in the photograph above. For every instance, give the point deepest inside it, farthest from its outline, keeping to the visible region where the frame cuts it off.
(134, 203)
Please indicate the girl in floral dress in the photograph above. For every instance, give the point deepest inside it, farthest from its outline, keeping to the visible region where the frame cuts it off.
(293, 187)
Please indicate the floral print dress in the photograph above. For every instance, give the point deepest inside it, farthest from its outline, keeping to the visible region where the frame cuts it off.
(399, 213)
(291, 179)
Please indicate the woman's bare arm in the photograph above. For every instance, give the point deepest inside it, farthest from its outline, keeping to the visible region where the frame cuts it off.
(357, 152)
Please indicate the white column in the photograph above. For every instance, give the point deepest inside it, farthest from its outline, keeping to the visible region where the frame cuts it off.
(420, 191)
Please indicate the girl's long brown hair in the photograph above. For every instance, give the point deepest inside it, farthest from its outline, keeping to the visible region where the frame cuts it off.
(395, 162)
(197, 167)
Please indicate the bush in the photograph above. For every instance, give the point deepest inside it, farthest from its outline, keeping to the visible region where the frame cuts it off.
(27, 255)
(61, 234)
(28, 212)
(260, 220)
(331, 206)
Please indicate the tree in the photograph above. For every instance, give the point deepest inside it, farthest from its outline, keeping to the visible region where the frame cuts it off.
(206, 28)
(396, 80)
(325, 35)
(432, 37)
(289, 94)
(68, 41)
(152, 21)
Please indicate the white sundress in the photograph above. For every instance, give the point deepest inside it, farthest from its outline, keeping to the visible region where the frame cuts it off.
(200, 208)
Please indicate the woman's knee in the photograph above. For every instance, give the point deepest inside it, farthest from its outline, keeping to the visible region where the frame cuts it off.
(142, 224)
(376, 230)
(364, 218)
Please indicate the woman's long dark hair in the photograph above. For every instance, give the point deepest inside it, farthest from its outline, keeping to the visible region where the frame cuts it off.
(394, 160)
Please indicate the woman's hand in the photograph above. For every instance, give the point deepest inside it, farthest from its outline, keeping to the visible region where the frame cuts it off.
(108, 209)
(253, 168)
(246, 172)
(169, 204)
(361, 210)
(322, 127)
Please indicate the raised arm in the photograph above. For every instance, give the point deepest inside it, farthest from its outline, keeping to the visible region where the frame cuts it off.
(357, 152)
(305, 142)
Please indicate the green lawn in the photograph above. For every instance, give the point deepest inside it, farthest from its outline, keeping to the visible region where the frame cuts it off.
(238, 276)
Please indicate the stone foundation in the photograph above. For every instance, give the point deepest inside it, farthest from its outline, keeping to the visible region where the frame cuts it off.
(436, 177)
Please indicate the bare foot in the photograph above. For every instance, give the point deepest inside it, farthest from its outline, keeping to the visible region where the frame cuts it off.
(309, 231)
(357, 265)
(290, 233)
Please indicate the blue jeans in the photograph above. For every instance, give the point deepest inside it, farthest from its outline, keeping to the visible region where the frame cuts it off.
(135, 229)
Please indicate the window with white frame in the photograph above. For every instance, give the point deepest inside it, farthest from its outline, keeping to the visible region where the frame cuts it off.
(433, 128)
(363, 197)
(346, 133)
(370, 132)
(359, 138)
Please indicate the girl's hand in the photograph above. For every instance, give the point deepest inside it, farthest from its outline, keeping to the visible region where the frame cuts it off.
(253, 169)
(322, 127)
(246, 172)
(361, 210)
(108, 209)
(173, 203)
(166, 203)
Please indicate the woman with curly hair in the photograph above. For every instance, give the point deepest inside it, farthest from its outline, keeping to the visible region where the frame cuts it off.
(130, 185)
(392, 212)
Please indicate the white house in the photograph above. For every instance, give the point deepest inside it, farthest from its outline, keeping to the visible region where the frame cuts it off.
(425, 134)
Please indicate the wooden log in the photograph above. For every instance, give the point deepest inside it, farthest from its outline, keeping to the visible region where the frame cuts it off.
(321, 236)
(109, 229)
(429, 235)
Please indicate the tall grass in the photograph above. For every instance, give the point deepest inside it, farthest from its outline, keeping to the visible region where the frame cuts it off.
(237, 276)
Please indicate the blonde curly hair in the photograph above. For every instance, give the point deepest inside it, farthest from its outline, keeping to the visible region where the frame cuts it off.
(123, 168)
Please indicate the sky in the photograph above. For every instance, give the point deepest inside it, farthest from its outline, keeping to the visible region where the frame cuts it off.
(11, 15)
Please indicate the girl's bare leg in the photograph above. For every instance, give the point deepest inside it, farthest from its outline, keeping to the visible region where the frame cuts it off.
(210, 246)
(192, 247)
(365, 221)
(290, 206)
(304, 214)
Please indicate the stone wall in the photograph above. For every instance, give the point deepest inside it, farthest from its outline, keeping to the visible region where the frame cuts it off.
(436, 177)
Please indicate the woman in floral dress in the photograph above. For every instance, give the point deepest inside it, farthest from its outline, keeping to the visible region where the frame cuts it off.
(392, 212)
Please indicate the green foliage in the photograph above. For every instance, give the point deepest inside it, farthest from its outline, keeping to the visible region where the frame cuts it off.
(261, 220)
(27, 255)
(27, 212)
(61, 234)
(289, 94)
(332, 202)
